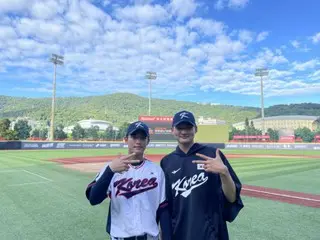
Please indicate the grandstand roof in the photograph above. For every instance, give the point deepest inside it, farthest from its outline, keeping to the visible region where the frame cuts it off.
(284, 117)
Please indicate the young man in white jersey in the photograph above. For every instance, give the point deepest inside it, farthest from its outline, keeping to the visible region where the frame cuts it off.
(136, 188)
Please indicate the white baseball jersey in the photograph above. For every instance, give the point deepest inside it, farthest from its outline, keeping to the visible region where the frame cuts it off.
(135, 197)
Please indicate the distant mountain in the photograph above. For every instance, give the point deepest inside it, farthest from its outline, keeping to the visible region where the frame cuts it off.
(309, 109)
(123, 107)
(116, 108)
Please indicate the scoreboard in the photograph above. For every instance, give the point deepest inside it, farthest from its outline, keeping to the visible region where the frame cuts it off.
(159, 127)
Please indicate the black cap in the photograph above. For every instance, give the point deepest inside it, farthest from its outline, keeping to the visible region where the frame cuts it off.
(138, 126)
(183, 117)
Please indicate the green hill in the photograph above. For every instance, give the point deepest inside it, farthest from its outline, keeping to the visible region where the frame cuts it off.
(122, 107)
(116, 108)
(309, 109)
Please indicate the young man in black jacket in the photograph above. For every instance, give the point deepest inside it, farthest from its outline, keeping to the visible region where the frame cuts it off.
(202, 189)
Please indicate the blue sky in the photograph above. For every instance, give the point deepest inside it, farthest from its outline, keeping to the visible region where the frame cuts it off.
(203, 51)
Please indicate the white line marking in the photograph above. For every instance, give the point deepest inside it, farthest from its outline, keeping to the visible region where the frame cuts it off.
(282, 195)
(37, 175)
(24, 184)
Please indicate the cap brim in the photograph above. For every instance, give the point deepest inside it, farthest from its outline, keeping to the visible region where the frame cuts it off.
(184, 121)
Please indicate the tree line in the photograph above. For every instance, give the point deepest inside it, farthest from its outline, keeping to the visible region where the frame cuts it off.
(23, 131)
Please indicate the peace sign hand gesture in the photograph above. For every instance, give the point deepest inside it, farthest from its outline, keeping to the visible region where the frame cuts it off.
(213, 165)
(121, 163)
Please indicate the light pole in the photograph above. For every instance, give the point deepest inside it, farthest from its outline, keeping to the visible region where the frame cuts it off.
(260, 72)
(150, 76)
(56, 60)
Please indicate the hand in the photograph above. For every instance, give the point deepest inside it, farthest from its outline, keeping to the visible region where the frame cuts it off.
(121, 163)
(213, 165)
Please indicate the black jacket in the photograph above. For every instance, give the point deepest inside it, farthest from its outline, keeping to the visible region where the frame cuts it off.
(197, 203)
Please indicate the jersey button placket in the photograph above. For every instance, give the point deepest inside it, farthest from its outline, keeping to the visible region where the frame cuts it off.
(135, 206)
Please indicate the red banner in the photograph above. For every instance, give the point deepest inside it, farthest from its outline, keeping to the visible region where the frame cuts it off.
(287, 139)
(317, 137)
(156, 118)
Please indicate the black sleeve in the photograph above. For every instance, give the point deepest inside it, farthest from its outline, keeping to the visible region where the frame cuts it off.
(165, 221)
(231, 210)
(168, 188)
(96, 191)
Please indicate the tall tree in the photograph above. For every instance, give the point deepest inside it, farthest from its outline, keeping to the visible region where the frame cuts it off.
(59, 133)
(35, 133)
(305, 133)
(123, 130)
(11, 135)
(43, 134)
(274, 134)
(247, 123)
(92, 133)
(4, 126)
(23, 129)
(78, 132)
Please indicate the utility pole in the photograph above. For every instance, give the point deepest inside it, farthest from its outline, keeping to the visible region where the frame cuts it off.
(150, 76)
(260, 72)
(56, 60)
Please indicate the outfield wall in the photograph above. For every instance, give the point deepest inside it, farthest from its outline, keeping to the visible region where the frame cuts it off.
(37, 145)
(28, 145)
(274, 146)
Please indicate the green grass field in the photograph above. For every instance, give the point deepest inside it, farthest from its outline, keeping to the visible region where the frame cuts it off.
(40, 199)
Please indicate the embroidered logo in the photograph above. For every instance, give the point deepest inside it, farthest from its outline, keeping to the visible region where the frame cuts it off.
(128, 188)
(185, 185)
(183, 115)
(175, 171)
(139, 125)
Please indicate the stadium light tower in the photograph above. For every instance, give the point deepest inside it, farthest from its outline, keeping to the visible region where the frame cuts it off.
(56, 60)
(260, 72)
(150, 76)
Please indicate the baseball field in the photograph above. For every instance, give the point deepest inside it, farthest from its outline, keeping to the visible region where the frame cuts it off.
(42, 194)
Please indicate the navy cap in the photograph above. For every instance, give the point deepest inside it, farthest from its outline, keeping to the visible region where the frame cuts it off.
(138, 126)
(183, 117)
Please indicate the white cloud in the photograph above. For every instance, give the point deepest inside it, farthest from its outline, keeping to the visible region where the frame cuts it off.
(183, 8)
(196, 54)
(262, 36)
(14, 6)
(298, 66)
(295, 44)
(315, 76)
(39, 29)
(45, 9)
(7, 33)
(206, 26)
(238, 3)
(264, 58)
(219, 4)
(109, 52)
(316, 38)
(147, 14)
(106, 3)
(233, 4)
(246, 36)
(278, 74)
(141, 2)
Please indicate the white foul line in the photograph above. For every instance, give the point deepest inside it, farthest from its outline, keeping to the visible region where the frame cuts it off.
(23, 184)
(282, 195)
(37, 175)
